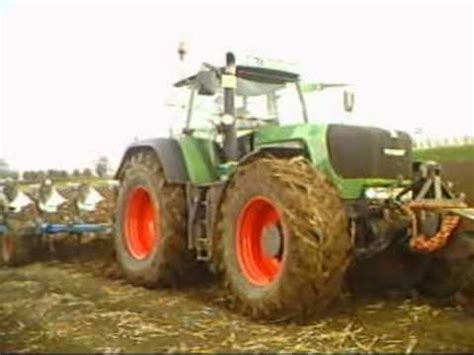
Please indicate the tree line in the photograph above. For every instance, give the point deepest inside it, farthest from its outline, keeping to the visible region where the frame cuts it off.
(101, 169)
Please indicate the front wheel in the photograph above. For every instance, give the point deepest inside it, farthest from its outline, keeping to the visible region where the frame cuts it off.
(284, 243)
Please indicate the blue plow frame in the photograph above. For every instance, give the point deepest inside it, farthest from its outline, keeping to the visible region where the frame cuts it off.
(74, 228)
(77, 228)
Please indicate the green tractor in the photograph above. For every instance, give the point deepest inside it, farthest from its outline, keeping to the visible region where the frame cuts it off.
(277, 205)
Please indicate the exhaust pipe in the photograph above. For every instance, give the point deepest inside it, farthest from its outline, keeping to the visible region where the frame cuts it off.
(229, 83)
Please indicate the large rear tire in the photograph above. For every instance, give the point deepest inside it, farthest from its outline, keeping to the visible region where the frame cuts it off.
(284, 244)
(150, 242)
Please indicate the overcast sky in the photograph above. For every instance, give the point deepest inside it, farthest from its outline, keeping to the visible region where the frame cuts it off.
(80, 79)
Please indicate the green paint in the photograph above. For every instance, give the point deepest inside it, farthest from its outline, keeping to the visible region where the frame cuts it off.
(314, 137)
(203, 166)
(226, 169)
(201, 159)
(441, 154)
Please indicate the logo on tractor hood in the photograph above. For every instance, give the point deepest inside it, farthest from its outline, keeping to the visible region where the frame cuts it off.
(394, 152)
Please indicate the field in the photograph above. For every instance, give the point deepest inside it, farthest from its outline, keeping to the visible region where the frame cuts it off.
(458, 166)
(461, 153)
(80, 303)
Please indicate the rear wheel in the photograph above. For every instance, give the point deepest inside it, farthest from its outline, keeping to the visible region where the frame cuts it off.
(150, 242)
(284, 246)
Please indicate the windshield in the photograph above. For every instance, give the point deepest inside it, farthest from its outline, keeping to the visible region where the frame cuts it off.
(255, 105)
(258, 104)
(281, 105)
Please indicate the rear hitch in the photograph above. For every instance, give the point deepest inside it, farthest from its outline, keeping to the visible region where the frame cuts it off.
(433, 195)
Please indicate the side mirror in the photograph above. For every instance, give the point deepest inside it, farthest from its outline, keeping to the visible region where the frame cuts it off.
(208, 83)
(349, 99)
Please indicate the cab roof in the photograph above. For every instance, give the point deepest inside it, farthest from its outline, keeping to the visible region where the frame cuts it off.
(256, 74)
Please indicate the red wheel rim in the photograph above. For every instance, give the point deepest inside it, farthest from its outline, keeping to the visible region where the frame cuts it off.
(257, 219)
(141, 228)
(7, 247)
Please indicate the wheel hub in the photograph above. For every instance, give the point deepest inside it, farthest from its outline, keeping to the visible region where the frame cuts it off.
(260, 242)
(141, 228)
(271, 242)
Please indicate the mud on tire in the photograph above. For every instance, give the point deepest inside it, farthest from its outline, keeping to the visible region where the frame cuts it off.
(167, 261)
(316, 246)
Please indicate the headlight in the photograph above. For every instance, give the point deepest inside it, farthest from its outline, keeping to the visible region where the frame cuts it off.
(384, 193)
(287, 144)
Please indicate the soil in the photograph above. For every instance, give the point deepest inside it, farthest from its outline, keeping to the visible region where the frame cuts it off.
(461, 173)
(81, 304)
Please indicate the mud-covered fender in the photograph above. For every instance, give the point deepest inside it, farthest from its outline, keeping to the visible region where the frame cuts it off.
(168, 152)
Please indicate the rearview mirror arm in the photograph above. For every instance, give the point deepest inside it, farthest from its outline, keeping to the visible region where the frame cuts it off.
(189, 113)
(303, 103)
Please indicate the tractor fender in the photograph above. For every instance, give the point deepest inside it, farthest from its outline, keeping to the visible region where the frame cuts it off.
(168, 152)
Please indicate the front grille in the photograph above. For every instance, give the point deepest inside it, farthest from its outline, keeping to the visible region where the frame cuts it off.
(358, 152)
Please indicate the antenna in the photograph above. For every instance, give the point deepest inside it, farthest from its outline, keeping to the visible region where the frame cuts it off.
(182, 50)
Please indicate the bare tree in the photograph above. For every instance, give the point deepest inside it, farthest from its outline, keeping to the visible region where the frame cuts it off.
(102, 166)
(87, 172)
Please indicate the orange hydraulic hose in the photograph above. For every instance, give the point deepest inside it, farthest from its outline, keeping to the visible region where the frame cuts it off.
(422, 243)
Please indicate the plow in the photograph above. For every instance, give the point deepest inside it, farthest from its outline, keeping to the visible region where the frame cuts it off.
(32, 214)
(279, 206)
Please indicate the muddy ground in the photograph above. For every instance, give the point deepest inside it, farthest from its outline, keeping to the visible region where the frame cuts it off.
(81, 304)
(461, 173)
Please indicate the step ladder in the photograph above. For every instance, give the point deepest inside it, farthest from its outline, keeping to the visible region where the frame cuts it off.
(202, 202)
(199, 218)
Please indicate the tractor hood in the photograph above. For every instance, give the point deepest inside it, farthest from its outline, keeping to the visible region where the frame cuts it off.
(354, 157)
(369, 152)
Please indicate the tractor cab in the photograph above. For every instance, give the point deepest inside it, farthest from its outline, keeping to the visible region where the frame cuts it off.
(262, 96)
(242, 100)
